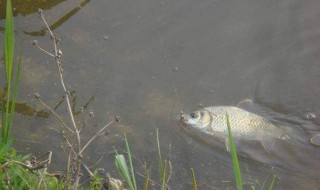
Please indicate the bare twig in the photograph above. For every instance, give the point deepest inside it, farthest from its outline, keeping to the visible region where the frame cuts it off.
(75, 154)
(38, 97)
(78, 173)
(84, 124)
(66, 140)
(38, 142)
(170, 172)
(13, 162)
(41, 179)
(97, 162)
(31, 164)
(35, 42)
(88, 170)
(95, 136)
(8, 179)
(66, 182)
(58, 57)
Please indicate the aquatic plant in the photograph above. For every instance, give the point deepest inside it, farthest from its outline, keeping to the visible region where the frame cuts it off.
(270, 187)
(17, 172)
(123, 168)
(194, 181)
(9, 101)
(236, 167)
(165, 168)
(163, 164)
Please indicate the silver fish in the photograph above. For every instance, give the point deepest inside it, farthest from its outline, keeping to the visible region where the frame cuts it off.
(212, 122)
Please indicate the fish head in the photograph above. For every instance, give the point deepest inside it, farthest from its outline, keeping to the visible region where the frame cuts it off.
(191, 118)
(199, 119)
(197, 125)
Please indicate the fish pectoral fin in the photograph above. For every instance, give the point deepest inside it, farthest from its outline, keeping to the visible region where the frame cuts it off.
(269, 144)
(265, 147)
(227, 143)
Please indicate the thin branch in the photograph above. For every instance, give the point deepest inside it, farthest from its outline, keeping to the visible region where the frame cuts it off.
(78, 174)
(38, 97)
(88, 170)
(13, 162)
(8, 179)
(68, 142)
(33, 164)
(35, 42)
(94, 136)
(58, 55)
(66, 184)
(170, 172)
(97, 162)
(41, 179)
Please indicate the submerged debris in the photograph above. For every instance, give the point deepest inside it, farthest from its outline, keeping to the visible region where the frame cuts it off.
(315, 140)
(113, 184)
(310, 116)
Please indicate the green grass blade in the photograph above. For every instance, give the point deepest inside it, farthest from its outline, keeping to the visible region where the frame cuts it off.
(9, 40)
(162, 165)
(4, 149)
(234, 156)
(194, 182)
(159, 151)
(23, 174)
(15, 90)
(3, 119)
(130, 163)
(123, 169)
(163, 174)
(265, 181)
(8, 52)
(272, 183)
(146, 182)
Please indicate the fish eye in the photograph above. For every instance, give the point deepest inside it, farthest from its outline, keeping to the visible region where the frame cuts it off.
(193, 115)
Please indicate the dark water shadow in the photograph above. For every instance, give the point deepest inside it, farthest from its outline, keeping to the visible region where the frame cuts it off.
(25, 9)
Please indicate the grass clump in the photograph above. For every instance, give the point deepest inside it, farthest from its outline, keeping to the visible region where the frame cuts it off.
(121, 163)
(128, 173)
(16, 171)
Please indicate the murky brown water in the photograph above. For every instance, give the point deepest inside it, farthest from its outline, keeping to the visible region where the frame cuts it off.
(132, 56)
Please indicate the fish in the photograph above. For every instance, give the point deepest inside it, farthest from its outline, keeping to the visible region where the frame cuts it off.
(211, 122)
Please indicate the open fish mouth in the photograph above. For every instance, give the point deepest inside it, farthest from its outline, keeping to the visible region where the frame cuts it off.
(183, 119)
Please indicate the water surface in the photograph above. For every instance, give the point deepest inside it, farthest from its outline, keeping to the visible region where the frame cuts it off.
(147, 60)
